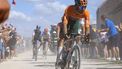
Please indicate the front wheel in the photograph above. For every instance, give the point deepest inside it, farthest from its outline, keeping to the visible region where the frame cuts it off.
(74, 61)
(45, 48)
(35, 52)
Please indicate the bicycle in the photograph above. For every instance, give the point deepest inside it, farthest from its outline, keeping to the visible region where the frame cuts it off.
(69, 59)
(35, 50)
(45, 47)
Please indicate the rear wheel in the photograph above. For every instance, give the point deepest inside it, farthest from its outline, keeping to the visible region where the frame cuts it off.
(35, 52)
(45, 48)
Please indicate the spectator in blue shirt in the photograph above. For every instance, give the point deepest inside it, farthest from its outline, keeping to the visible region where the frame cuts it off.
(113, 37)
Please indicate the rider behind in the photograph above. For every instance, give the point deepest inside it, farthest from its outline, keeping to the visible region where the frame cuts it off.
(46, 39)
(12, 42)
(36, 36)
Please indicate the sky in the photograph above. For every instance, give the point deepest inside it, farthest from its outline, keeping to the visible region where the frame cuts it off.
(26, 14)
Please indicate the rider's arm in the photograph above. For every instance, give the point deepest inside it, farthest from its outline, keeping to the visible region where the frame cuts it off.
(65, 22)
(58, 30)
(87, 22)
(33, 36)
(65, 19)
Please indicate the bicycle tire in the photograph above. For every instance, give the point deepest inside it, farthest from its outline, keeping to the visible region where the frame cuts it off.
(57, 64)
(45, 48)
(35, 52)
(70, 58)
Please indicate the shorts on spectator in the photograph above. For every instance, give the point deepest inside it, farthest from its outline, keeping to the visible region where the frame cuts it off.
(114, 40)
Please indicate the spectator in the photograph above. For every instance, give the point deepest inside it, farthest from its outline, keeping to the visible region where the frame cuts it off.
(93, 44)
(12, 42)
(113, 37)
(2, 48)
(104, 40)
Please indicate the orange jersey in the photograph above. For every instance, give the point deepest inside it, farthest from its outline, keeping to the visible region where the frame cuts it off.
(73, 13)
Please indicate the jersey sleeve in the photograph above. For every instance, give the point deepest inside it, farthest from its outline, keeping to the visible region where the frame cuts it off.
(87, 15)
(65, 21)
(87, 18)
(65, 17)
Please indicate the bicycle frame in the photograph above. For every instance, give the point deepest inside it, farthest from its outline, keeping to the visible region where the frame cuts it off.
(45, 47)
(73, 46)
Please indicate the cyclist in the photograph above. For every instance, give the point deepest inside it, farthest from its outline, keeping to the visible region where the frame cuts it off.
(45, 37)
(53, 35)
(113, 36)
(72, 18)
(36, 37)
(73, 15)
(12, 42)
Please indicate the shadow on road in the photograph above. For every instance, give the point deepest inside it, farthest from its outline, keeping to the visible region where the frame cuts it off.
(48, 55)
(44, 65)
(96, 64)
(101, 68)
(22, 60)
(109, 68)
(101, 64)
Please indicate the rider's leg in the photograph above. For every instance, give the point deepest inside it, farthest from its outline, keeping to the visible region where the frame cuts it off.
(44, 48)
(33, 50)
(40, 44)
(11, 51)
(86, 30)
(60, 47)
(15, 54)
